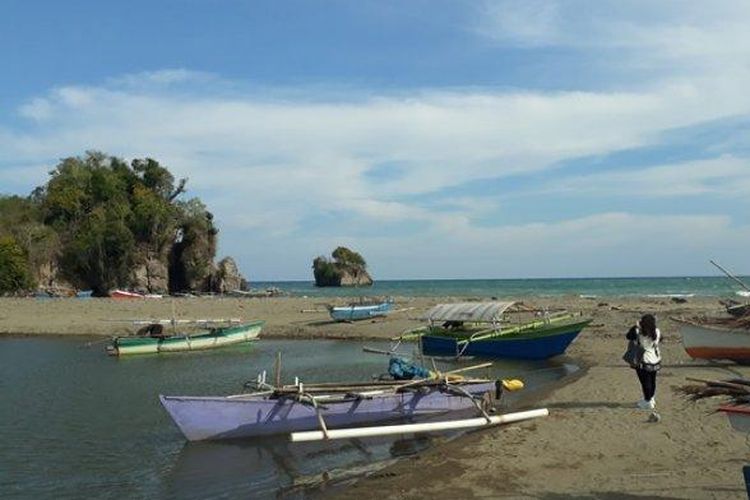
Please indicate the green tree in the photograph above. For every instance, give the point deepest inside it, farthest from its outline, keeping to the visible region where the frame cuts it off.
(344, 256)
(325, 272)
(100, 252)
(14, 270)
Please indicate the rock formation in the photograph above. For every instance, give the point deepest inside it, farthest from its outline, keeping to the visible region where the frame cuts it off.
(347, 268)
(226, 277)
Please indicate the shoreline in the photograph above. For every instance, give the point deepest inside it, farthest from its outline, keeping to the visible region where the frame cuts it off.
(291, 317)
(594, 444)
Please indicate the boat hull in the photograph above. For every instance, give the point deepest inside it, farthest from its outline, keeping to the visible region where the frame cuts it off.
(739, 417)
(541, 343)
(216, 338)
(210, 418)
(360, 312)
(705, 342)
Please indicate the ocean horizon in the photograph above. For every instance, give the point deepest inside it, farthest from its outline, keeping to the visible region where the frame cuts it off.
(684, 286)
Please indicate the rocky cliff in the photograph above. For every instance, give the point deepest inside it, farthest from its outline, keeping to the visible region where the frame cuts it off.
(347, 268)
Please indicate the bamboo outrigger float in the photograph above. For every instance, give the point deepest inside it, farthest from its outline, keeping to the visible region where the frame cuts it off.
(483, 329)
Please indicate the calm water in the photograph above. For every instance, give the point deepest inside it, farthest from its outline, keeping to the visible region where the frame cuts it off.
(75, 423)
(712, 286)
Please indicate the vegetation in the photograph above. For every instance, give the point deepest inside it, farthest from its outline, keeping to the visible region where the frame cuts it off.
(98, 219)
(14, 271)
(346, 265)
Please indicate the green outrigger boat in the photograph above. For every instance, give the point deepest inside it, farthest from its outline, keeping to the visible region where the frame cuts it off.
(152, 339)
(483, 329)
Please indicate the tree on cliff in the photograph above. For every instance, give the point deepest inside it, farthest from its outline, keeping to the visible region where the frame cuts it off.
(98, 217)
(348, 268)
(14, 271)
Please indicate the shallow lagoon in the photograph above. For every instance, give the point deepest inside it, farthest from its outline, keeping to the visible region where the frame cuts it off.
(77, 423)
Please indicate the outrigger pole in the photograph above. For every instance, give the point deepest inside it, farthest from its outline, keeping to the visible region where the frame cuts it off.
(416, 428)
(739, 281)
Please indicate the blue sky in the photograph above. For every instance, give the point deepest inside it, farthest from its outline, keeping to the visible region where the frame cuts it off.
(440, 139)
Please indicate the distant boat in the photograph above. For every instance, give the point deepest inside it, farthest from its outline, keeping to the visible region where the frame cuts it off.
(124, 294)
(356, 312)
(153, 339)
(483, 329)
(716, 338)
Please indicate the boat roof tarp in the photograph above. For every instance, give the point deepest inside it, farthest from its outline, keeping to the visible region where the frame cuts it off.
(478, 312)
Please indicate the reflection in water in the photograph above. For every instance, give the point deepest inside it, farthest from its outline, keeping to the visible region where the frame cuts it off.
(271, 465)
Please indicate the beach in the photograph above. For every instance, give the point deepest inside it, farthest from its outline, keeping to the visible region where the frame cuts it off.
(594, 444)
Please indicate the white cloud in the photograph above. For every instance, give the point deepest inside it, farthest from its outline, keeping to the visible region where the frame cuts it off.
(665, 37)
(723, 176)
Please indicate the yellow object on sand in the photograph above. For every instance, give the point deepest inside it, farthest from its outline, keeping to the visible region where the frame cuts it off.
(512, 384)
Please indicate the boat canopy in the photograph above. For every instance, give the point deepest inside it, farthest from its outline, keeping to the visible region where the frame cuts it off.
(477, 312)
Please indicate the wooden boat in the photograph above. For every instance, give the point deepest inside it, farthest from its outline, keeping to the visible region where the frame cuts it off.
(219, 333)
(483, 329)
(303, 407)
(715, 338)
(356, 312)
(739, 417)
(124, 294)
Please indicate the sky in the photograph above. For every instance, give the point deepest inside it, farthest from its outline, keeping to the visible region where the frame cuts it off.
(440, 139)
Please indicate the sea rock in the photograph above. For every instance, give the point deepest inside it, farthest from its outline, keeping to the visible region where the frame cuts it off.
(227, 277)
(355, 277)
(347, 268)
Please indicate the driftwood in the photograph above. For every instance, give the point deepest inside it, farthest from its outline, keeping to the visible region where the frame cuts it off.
(738, 390)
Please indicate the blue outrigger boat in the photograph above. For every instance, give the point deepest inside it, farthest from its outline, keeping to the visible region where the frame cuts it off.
(356, 312)
(483, 329)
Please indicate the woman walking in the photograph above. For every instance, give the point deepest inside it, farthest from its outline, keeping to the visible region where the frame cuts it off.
(647, 336)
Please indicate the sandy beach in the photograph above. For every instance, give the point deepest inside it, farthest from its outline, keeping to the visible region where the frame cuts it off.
(594, 444)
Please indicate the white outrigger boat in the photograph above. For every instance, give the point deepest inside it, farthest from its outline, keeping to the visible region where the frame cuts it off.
(715, 338)
(308, 412)
(152, 338)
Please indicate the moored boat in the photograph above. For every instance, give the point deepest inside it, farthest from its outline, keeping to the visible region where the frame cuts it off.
(219, 333)
(356, 312)
(715, 338)
(124, 294)
(301, 407)
(483, 329)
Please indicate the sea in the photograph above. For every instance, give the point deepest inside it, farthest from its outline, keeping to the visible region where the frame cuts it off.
(688, 286)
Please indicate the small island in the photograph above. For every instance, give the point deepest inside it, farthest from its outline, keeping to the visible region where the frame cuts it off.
(348, 268)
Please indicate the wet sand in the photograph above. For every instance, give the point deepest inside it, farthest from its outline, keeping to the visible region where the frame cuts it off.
(594, 444)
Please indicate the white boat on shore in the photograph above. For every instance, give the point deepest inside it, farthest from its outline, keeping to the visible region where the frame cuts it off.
(715, 339)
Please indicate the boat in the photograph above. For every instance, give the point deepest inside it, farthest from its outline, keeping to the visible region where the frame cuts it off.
(360, 311)
(333, 410)
(152, 339)
(716, 338)
(484, 329)
(301, 407)
(739, 417)
(124, 294)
